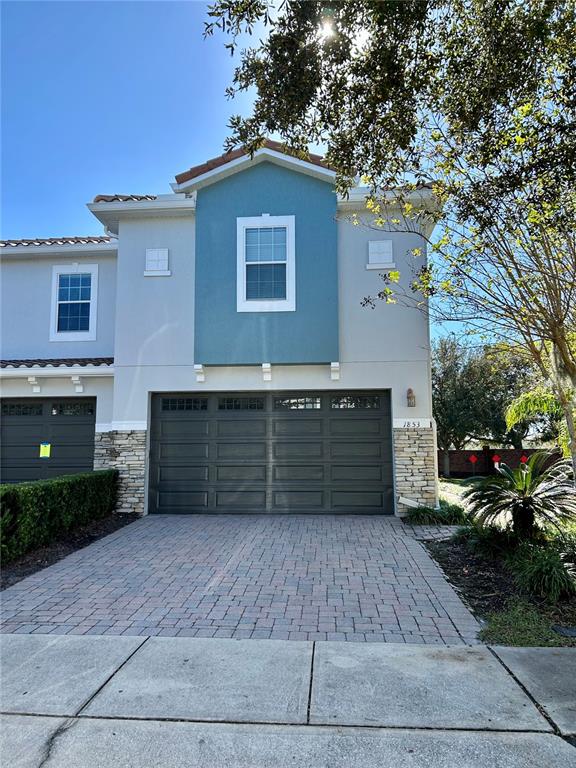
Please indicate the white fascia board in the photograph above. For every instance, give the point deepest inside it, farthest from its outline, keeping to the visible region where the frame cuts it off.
(86, 249)
(287, 161)
(109, 214)
(358, 195)
(55, 372)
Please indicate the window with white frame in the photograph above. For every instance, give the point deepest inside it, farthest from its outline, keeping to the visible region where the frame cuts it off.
(74, 302)
(156, 262)
(266, 264)
(380, 254)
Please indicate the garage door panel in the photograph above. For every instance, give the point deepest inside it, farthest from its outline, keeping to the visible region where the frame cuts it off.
(182, 473)
(241, 451)
(352, 450)
(298, 473)
(273, 452)
(300, 499)
(241, 499)
(357, 499)
(183, 499)
(241, 428)
(297, 450)
(184, 428)
(355, 427)
(304, 428)
(241, 473)
(181, 452)
(357, 472)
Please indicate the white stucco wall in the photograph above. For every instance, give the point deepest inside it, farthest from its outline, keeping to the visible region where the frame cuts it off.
(155, 316)
(26, 296)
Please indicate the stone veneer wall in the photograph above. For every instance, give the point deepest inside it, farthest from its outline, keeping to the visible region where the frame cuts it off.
(415, 467)
(126, 452)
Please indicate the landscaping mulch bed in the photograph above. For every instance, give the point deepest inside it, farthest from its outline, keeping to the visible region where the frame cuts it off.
(489, 589)
(485, 584)
(41, 558)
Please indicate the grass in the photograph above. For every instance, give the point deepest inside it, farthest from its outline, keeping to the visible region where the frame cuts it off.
(451, 490)
(523, 623)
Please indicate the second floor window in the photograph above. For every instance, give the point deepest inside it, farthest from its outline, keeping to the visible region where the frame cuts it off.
(74, 297)
(266, 264)
(74, 302)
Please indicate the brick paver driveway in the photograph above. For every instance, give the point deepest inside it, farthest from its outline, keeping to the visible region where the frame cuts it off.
(287, 577)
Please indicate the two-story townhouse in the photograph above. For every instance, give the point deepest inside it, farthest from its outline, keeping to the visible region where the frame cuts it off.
(214, 348)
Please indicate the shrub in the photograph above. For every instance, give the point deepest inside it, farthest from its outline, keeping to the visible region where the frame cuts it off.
(447, 514)
(35, 514)
(540, 571)
(490, 541)
(525, 498)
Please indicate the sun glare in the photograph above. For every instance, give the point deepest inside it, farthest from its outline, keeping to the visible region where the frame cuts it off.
(326, 30)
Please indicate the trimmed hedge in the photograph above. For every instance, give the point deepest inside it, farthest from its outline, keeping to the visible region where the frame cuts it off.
(37, 513)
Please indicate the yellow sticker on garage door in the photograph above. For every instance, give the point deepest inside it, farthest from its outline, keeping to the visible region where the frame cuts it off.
(45, 450)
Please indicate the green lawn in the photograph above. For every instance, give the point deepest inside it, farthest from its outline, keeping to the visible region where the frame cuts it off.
(451, 490)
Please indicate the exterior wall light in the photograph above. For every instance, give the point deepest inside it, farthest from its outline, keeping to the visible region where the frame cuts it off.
(410, 398)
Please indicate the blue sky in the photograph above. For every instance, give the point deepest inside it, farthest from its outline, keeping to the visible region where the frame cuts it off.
(103, 97)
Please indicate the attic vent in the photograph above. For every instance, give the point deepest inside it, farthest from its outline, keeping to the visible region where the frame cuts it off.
(156, 262)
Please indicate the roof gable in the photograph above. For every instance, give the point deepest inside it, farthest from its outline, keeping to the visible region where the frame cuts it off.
(238, 159)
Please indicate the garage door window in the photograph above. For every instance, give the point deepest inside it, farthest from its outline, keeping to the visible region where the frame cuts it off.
(364, 401)
(297, 403)
(21, 409)
(184, 404)
(72, 409)
(241, 404)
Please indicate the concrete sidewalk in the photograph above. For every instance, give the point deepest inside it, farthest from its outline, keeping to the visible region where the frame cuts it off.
(127, 701)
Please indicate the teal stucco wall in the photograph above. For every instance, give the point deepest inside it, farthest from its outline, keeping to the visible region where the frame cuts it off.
(224, 336)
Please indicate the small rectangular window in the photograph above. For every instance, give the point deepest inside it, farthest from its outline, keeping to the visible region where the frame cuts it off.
(380, 254)
(297, 403)
(362, 401)
(72, 409)
(156, 262)
(184, 404)
(21, 409)
(241, 404)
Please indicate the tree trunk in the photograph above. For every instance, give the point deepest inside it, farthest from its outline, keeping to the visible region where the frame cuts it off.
(446, 463)
(523, 522)
(565, 384)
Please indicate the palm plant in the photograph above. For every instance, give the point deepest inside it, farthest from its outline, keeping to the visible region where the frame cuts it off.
(526, 498)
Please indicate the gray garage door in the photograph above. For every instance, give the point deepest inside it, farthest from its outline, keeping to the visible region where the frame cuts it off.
(67, 424)
(272, 452)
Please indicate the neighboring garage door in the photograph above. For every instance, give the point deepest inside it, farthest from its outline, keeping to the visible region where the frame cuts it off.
(67, 424)
(271, 452)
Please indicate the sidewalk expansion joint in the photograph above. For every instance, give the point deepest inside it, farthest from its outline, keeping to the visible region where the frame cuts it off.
(521, 685)
(311, 681)
(105, 683)
(276, 723)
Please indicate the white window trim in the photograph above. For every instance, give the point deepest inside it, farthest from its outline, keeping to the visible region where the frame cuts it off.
(71, 269)
(266, 305)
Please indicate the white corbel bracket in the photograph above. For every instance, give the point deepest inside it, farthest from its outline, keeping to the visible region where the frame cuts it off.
(78, 386)
(335, 371)
(35, 384)
(200, 373)
(266, 371)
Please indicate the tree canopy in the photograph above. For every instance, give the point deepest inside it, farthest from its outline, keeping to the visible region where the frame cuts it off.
(476, 99)
(472, 389)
